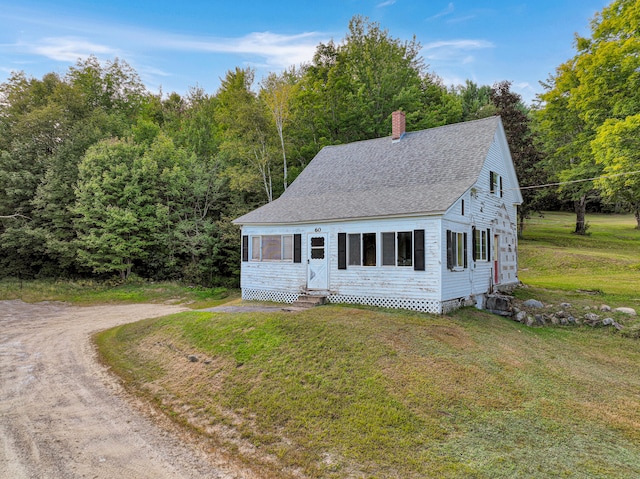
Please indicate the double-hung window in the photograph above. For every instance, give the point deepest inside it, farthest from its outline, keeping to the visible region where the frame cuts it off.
(355, 248)
(369, 251)
(397, 248)
(456, 250)
(272, 248)
(362, 249)
(401, 248)
(495, 184)
(480, 244)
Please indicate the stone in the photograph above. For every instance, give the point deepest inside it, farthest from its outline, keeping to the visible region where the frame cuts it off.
(565, 305)
(564, 321)
(533, 303)
(540, 320)
(554, 319)
(629, 311)
(591, 317)
(611, 322)
(572, 320)
(193, 358)
(605, 308)
(521, 316)
(499, 304)
(530, 321)
(561, 314)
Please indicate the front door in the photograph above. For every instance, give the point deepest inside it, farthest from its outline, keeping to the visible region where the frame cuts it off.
(318, 262)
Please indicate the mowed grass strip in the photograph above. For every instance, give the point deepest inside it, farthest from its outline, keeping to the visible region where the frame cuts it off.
(88, 291)
(338, 392)
(607, 259)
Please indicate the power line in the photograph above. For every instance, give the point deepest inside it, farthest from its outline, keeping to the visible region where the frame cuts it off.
(579, 181)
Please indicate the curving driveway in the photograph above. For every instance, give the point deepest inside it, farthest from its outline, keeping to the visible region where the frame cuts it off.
(63, 416)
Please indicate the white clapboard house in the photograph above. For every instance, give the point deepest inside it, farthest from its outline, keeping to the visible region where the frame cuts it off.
(422, 220)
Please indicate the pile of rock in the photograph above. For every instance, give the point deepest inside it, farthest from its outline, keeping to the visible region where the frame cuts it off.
(535, 313)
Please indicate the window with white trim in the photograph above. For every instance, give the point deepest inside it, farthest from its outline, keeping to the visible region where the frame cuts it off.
(362, 249)
(355, 257)
(495, 184)
(480, 245)
(272, 248)
(368, 249)
(397, 248)
(456, 250)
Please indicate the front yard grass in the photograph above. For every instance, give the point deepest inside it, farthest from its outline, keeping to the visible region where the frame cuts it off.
(605, 261)
(338, 392)
(88, 292)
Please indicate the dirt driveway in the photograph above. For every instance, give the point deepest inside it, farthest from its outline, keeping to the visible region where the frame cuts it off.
(63, 416)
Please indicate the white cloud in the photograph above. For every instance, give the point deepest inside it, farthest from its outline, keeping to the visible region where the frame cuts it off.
(108, 39)
(459, 45)
(447, 11)
(68, 49)
(461, 19)
(454, 50)
(386, 3)
(276, 49)
(451, 79)
(260, 49)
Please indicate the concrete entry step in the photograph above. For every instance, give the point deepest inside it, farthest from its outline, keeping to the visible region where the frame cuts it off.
(306, 301)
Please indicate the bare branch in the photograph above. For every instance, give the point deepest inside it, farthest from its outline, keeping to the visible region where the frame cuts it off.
(15, 215)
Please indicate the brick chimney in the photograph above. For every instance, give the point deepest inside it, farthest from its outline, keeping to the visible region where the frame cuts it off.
(397, 124)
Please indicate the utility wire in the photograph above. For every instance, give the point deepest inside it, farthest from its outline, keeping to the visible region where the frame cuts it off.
(578, 181)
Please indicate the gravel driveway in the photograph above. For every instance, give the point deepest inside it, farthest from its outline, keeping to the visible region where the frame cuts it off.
(63, 416)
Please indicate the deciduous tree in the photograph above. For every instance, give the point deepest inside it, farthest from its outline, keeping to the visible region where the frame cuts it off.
(601, 82)
(524, 151)
(617, 148)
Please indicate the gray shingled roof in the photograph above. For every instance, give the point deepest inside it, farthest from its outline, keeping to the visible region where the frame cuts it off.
(423, 173)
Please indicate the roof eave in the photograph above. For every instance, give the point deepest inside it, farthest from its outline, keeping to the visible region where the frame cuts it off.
(340, 220)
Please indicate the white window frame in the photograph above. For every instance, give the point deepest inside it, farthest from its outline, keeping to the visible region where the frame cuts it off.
(458, 246)
(257, 246)
(496, 184)
(351, 261)
(396, 246)
(481, 243)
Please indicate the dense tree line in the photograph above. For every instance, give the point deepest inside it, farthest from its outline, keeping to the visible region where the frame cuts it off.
(588, 117)
(98, 176)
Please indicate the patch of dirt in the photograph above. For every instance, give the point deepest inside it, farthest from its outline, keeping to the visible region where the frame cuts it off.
(64, 416)
(187, 387)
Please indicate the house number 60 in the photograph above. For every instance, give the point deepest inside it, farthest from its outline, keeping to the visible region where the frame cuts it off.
(318, 230)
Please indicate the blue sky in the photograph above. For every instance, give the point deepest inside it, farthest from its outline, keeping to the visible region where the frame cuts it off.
(174, 45)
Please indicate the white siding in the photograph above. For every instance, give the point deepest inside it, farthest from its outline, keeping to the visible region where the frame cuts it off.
(389, 281)
(483, 210)
(435, 289)
(277, 276)
(381, 285)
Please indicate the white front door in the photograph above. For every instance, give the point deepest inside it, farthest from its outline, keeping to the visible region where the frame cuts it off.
(318, 262)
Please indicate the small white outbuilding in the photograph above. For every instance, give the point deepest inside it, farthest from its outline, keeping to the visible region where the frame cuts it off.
(422, 220)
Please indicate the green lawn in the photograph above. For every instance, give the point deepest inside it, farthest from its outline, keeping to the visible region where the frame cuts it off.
(342, 392)
(606, 260)
(338, 392)
(88, 291)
